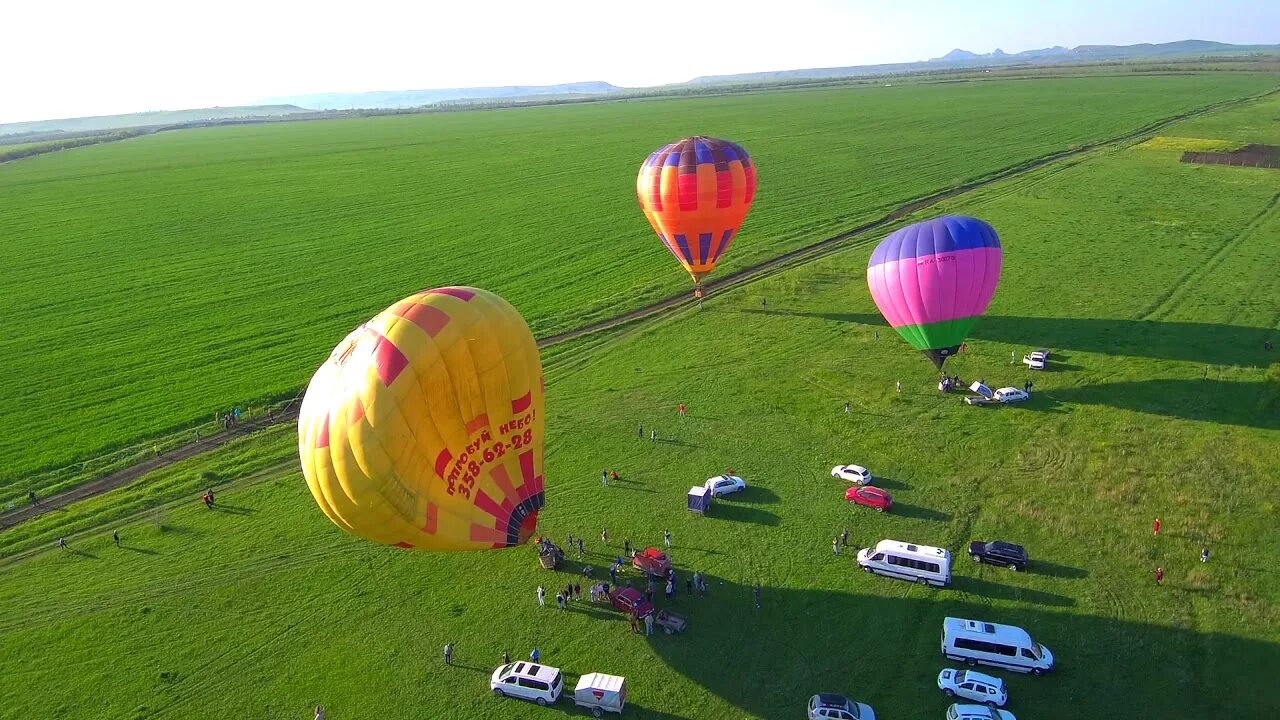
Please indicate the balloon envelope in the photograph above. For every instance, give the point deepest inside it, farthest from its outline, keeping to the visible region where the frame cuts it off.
(696, 193)
(424, 428)
(932, 280)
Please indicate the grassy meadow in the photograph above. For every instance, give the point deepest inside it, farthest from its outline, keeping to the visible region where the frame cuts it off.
(152, 282)
(1146, 277)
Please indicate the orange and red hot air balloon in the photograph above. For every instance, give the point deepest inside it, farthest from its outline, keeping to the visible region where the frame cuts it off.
(696, 193)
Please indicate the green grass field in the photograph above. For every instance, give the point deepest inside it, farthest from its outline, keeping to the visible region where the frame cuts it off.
(1152, 282)
(153, 282)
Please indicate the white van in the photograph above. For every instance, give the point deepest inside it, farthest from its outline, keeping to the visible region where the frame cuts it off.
(1005, 646)
(919, 563)
(529, 681)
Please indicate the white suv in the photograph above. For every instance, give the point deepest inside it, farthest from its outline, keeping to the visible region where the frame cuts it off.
(1011, 395)
(972, 685)
(977, 712)
(529, 681)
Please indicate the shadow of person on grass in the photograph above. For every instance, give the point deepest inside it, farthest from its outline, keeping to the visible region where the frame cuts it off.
(233, 509)
(140, 550)
(805, 641)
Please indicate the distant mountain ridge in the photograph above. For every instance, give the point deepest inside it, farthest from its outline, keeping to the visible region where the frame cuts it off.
(399, 99)
(962, 59)
(145, 119)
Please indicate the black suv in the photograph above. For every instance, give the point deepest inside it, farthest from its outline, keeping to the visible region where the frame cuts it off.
(998, 552)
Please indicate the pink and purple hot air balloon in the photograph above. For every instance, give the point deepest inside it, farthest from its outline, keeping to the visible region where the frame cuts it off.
(932, 280)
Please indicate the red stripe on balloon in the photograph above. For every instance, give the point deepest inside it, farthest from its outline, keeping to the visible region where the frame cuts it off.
(460, 293)
(428, 317)
(491, 506)
(532, 483)
(482, 534)
(522, 403)
(724, 189)
(442, 462)
(687, 190)
(751, 181)
(322, 440)
(503, 480)
(432, 521)
(356, 412)
(388, 360)
(477, 424)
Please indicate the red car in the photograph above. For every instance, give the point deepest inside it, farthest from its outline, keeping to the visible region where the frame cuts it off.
(629, 600)
(872, 497)
(652, 562)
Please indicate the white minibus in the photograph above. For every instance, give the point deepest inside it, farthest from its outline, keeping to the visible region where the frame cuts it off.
(907, 561)
(1005, 646)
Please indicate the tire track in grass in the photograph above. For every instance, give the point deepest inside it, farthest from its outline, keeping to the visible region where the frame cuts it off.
(854, 237)
(1169, 300)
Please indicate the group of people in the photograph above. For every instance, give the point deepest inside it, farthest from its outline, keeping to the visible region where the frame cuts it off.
(229, 419)
(947, 383)
(606, 475)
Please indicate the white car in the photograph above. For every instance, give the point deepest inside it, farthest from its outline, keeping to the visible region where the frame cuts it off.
(722, 485)
(852, 473)
(977, 712)
(972, 685)
(1010, 395)
(1035, 360)
(528, 681)
(829, 706)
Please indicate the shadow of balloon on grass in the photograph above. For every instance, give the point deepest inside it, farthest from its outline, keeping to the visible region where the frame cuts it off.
(767, 662)
(1251, 404)
(1208, 343)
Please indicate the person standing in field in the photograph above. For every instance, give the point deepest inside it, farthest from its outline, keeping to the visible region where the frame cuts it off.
(62, 543)
(31, 495)
(448, 653)
(604, 536)
(846, 407)
(682, 411)
(898, 384)
(844, 537)
(648, 624)
(542, 596)
(1204, 554)
(1159, 576)
(506, 659)
(756, 591)
(653, 436)
(604, 478)
(115, 537)
(835, 546)
(764, 303)
(626, 547)
(535, 655)
(640, 431)
(635, 622)
(319, 712)
(666, 538)
(1155, 527)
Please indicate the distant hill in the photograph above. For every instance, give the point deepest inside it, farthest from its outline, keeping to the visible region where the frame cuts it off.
(144, 119)
(398, 99)
(959, 58)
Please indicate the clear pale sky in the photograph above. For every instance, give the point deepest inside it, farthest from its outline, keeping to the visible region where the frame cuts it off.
(89, 57)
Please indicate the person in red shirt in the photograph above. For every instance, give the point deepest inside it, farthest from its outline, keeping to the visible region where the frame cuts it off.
(1159, 576)
(681, 409)
(1155, 528)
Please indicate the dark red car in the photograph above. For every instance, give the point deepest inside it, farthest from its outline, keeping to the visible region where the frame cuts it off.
(629, 600)
(652, 562)
(872, 497)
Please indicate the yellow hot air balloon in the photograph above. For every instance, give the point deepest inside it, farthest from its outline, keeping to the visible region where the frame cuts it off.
(424, 428)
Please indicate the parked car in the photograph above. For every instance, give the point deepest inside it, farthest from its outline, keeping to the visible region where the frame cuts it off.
(652, 562)
(852, 473)
(999, 552)
(1011, 395)
(722, 485)
(529, 681)
(977, 712)
(972, 685)
(829, 706)
(1034, 360)
(872, 497)
(629, 600)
